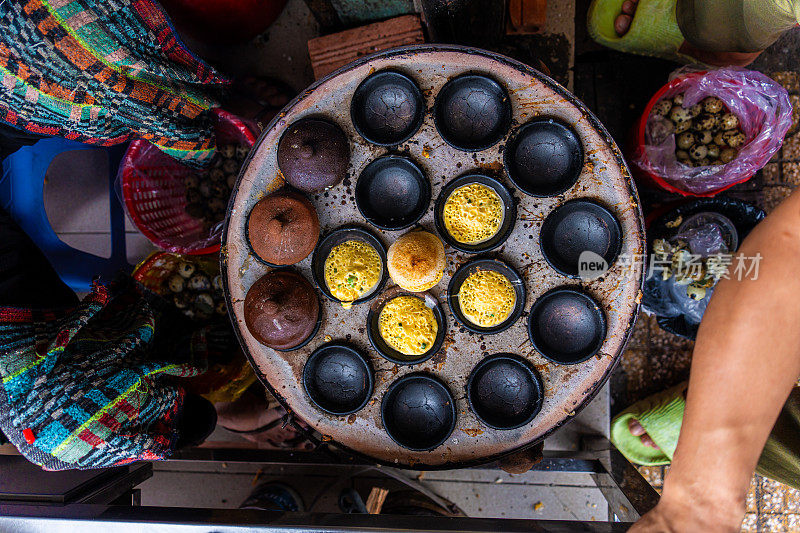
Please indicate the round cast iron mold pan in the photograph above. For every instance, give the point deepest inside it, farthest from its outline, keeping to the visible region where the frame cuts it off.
(338, 379)
(577, 226)
(258, 258)
(468, 268)
(566, 326)
(505, 391)
(382, 123)
(392, 192)
(472, 112)
(383, 348)
(232, 227)
(744, 216)
(509, 213)
(418, 412)
(544, 157)
(348, 232)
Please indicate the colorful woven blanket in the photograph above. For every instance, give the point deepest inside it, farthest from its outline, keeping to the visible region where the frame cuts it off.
(103, 72)
(93, 386)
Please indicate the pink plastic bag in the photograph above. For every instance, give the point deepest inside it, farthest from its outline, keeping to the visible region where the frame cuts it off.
(765, 115)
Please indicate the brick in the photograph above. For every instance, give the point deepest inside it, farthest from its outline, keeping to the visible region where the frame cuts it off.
(331, 52)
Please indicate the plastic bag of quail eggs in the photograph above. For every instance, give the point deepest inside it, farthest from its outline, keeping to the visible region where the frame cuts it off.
(714, 128)
(689, 265)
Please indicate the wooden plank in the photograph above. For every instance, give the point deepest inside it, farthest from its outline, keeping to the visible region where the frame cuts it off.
(376, 499)
(526, 16)
(331, 52)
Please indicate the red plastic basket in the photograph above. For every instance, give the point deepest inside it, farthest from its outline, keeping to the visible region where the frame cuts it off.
(154, 194)
(637, 144)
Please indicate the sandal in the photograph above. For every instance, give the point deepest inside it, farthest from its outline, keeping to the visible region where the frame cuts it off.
(661, 416)
(653, 31)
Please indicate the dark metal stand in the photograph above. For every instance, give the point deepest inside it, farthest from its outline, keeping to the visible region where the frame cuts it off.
(628, 494)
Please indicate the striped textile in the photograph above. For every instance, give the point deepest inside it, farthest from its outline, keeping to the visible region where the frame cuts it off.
(103, 72)
(87, 388)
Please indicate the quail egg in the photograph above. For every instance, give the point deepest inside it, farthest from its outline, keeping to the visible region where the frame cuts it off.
(698, 152)
(696, 109)
(181, 300)
(205, 189)
(712, 104)
(680, 127)
(679, 114)
(230, 180)
(719, 140)
(726, 155)
(199, 282)
(685, 140)
(695, 293)
(662, 107)
(703, 162)
(734, 138)
(217, 283)
(221, 308)
(677, 99)
(704, 137)
(706, 121)
(191, 181)
(682, 154)
(242, 151)
(228, 151)
(185, 269)
(713, 151)
(204, 301)
(728, 121)
(176, 283)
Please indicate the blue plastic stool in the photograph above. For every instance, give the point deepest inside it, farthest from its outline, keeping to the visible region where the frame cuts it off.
(22, 196)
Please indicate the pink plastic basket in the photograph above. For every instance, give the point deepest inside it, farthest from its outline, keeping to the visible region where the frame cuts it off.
(154, 193)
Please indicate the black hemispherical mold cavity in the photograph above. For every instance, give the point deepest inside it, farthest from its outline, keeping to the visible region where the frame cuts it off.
(338, 379)
(505, 391)
(392, 192)
(566, 326)
(468, 269)
(509, 213)
(472, 112)
(383, 348)
(544, 157)
(418, 412)
(576, 227)
(387, 108)
(336, 237)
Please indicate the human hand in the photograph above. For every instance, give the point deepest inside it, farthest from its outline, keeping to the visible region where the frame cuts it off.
(701, 515)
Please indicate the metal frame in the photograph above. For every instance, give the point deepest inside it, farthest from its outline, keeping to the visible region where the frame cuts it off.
(627, 492)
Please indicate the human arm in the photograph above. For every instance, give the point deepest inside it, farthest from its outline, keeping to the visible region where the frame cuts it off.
(745, 362)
